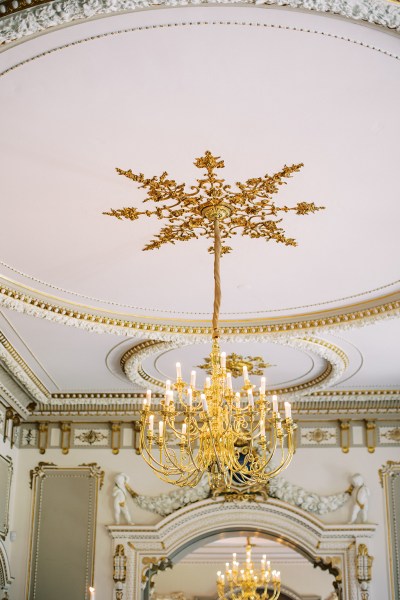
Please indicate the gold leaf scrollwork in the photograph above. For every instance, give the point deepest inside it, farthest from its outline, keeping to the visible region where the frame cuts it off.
(235, 363)
(191, 213)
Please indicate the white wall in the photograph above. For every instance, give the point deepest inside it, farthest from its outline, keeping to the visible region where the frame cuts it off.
(325, 471)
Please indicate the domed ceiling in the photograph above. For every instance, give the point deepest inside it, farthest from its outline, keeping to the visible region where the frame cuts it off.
(151, 91)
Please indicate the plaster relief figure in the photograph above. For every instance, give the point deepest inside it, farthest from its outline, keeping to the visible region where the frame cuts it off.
(120, 493)
(360, 494)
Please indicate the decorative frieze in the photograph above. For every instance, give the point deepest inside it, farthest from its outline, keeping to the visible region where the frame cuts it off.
(389, 435)
(329, 433)
(91, 436)
(319, 436)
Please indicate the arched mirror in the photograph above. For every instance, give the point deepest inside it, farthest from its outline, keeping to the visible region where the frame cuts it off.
(194, 572)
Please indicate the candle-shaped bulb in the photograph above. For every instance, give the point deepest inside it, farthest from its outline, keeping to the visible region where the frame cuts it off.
(274, 403)
(204, 402)
(190, 397)
(262, 386)
(208, 383)
(237, 399)
(178, 371)
(234, 556)
(184, 429)
(161, 429)
(193, 379)
(262, 428)
(250, 397)
(264, 557)
(223, 360)
(167, 385)
(288, 410)
(148, 397)
(229, 380)
(245, 374)
(91, 591)
(151, 423)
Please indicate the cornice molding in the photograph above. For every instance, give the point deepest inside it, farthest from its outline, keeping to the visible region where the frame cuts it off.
(357, 405)
(93, 320)
(17, 367)
(23, 18)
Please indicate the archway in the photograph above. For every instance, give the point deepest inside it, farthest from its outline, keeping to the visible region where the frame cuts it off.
(147, 548)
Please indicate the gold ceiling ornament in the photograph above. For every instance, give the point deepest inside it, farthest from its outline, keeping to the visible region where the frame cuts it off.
(235, 363)
(192, 213)
(245, 582)
(231, 436)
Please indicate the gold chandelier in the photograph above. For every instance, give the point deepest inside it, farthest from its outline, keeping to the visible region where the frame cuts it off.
(245, 582)
(232, 436)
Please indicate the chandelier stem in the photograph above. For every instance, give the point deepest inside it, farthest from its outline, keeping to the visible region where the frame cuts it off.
(217, 279)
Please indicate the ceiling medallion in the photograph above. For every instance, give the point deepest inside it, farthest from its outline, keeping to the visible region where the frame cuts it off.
(235, 362)
(213, 431)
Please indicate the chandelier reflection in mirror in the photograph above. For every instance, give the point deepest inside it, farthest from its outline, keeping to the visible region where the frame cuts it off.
(245, 582)
(232, 436)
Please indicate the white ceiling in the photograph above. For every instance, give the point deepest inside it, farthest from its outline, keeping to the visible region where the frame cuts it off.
(153, 99)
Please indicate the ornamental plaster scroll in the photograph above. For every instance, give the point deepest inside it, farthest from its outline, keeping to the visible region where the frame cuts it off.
(34, 307)
(57, 13)
(204, 520)
(278, 487)
(334, 356)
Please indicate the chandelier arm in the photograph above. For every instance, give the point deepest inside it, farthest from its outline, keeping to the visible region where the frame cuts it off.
(217, 278)
(283, 464)
(150, 459)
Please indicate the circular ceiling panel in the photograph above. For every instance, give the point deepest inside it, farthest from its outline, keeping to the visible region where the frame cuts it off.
(153, 98)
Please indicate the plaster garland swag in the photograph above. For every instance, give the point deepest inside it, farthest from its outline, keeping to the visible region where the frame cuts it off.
(167, 503)
(39, 18)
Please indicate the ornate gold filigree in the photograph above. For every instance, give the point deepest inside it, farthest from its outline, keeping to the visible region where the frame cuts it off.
(190, 214)
(235, 363)
(319, 435)
(91, 436)
(392, 434)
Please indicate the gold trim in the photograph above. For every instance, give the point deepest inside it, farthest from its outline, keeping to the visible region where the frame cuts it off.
(20, 361)
(179, 325)
(43, 437)
(370, 435)
(65, 441)
(345, 441)
(140, 395)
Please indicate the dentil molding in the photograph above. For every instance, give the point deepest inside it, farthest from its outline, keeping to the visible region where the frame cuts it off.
(23, 23)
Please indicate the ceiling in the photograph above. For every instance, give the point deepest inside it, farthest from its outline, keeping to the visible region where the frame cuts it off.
(151, 91)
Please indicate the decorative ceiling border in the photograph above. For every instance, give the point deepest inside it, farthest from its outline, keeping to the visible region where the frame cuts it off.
(335, 358)
(18, 368)
(8, 354)
(23, 19)
(127, 406)
(72, 315)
